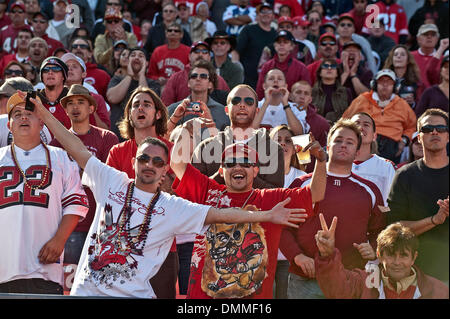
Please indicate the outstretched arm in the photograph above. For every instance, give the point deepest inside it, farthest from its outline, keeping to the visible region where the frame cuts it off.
(277, 215)
(71, 143)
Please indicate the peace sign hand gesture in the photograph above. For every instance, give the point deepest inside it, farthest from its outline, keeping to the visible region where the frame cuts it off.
(325, 237)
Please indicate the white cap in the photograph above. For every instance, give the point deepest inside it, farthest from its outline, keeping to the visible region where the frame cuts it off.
(70, 56)
(386, 72)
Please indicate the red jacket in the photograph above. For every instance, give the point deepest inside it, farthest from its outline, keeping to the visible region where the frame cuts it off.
(339, 283)
(293, 69)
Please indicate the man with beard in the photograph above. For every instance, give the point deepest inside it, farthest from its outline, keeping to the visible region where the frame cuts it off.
(237, 261)
(242, 106)
(348, 197)
(121, 87)
(79, 105)
(146, 116)
(419, 195)
(54, 74)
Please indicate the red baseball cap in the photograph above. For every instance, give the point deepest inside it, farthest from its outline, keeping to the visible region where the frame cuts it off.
(300, 21)
(285, 19)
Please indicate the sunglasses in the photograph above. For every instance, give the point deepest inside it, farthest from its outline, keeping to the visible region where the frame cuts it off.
(242, 162)
(325, 43)
(157, 161)
(430, 128)
(329, 66)
(17, 12)
(51, 68)
(113, 4)
(203, 76)
(110, 21)
(174, 30)
(349, 25)
(81, 46)
(247, 100)
(204, 51)
(15, 72)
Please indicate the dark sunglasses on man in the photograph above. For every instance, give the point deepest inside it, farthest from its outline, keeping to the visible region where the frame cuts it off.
(325, 43)
(115, 21)
(174, 30)
(203, 76)
(247, 100)
(430, 128)
(329, 66)
(157, 161)
(243, 162)
(51, 68)
(81, 46)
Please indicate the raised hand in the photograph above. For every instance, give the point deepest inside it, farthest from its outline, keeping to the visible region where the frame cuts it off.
(315, 149)
(287, 216)
(325, 238)
(365, 250)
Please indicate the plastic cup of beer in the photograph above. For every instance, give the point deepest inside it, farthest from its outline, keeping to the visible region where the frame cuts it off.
(304, 157)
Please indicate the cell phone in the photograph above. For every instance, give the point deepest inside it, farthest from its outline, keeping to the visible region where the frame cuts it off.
(194, 107)
(29, 106)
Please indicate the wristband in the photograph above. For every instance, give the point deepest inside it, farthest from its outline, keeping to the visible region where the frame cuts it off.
(170, 119)
(352, 76)
(287, 106)
(433, 221)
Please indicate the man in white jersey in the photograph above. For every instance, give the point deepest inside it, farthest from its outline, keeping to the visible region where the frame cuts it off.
(135, 223)
(370, 166)
(41, 203)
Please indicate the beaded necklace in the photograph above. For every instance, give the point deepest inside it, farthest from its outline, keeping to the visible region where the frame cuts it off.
(124, 222)
(48, 166)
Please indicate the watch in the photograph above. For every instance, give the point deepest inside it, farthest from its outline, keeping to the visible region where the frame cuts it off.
(286, 106)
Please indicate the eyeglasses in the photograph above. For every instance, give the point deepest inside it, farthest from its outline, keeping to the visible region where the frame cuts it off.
(314, 20)
(113, 4)
(430, 128)
(115, 21)
(173, 30)
(51, 68)
(247, 100)
(15, 72)
(325, 43)
(17, 12)
(348, 25)
(81, 46)
(157, 161)
(204, 51)
(39, 21)
(203, 76)
(329, 66)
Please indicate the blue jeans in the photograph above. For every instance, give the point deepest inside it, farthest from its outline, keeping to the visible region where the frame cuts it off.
(303, 288)
(74, 246)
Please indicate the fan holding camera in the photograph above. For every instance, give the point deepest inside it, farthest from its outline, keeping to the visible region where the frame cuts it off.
(202, 80)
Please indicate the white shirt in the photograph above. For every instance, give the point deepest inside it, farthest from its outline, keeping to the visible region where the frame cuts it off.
(103, 270)
(29, 219)
(379, 171)
(275, 115)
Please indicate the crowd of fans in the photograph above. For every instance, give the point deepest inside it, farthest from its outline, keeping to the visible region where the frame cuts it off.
(369, 76)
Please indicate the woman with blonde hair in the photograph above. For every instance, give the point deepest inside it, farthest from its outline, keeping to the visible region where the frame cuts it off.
(409, 86)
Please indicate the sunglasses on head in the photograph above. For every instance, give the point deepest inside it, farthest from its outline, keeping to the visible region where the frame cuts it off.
(243, 162)
(430, 128)
(109, 21)
(329, 66)
(173, 30)
(15, 72)
(203, 76)
(247, 100)
(81, 46)
(51, 68)
(157, 161)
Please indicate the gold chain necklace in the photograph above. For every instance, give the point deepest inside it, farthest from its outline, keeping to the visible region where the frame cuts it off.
(47, 167)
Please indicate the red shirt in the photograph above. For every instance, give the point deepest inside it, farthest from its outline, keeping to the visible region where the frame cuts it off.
(356, 202)
(98, 141)
(249, 244)
(53, 44)
(8, 37)
(423, 62)
(97, 78)
(165, 62)
(394, 18)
